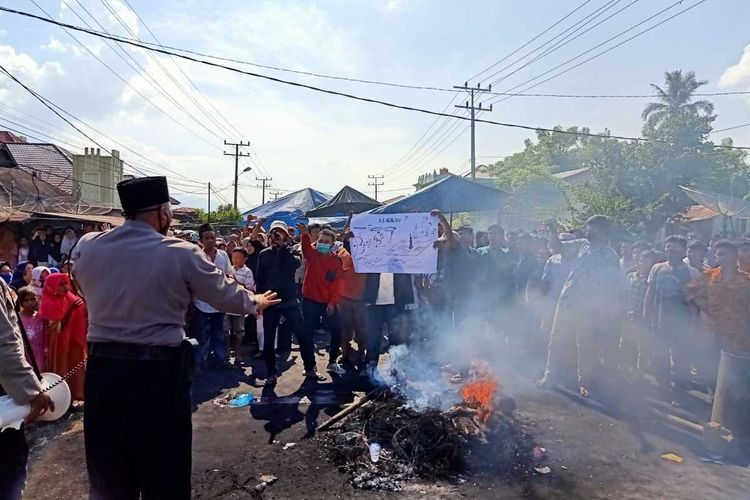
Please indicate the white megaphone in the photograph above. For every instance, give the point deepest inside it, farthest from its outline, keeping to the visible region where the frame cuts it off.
(12, 414)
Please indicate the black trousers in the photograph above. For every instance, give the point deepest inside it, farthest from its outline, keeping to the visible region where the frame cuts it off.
(14, 454)
(293, 320)
(314, 314)
(137, 428)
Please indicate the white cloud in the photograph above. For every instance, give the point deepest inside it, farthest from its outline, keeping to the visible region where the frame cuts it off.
(737, 74)
(122, 14)
(395, 4)
(27, 70)
(55, 45)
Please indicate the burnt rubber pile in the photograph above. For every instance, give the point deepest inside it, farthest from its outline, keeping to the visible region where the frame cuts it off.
(385, 442)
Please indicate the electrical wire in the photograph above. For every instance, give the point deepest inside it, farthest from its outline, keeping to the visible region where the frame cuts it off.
(425, 139)
(544, 32)
(58, 111)
(366, 99)
(257, 162)
(599, 54)
(378, 82)
(565, 40)
(585, 20)
(730, 128)
(111, 70)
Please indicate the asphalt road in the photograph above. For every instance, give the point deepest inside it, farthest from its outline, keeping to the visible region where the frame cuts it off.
(591, 455)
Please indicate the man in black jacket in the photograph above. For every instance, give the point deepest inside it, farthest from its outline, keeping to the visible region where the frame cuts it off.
(276, 267)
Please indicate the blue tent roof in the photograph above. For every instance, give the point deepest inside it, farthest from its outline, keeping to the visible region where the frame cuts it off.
(449, 194)
(290, 208)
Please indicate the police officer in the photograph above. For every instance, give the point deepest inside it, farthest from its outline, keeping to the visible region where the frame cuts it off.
(138, 284)
(18, 379)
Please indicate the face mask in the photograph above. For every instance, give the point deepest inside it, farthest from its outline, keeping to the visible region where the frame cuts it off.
(6, 277)
(323, 248)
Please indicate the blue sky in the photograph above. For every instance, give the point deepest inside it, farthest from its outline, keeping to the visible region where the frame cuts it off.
(303, 138)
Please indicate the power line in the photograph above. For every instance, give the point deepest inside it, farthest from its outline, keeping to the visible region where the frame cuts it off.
(609, 49)
(436, 88)
(139, 69)
(58, 111)
(264, 180)
(546, 30)
(360, 98)
(472, 110)
(375, 183)
(169, 75)
(52, 21)
(436, 145)
(565, 40)
(237, 155)
(730, 128)
(223, 129)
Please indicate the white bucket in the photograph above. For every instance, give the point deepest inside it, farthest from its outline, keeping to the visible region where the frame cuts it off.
(12, 414)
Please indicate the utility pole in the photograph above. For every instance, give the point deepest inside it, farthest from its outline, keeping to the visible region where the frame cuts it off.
(275, 194)
(209, 202)
(264, 180)
(470, 106)
(375, 179)
(237, 154)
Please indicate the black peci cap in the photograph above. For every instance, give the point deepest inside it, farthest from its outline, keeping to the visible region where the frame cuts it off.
(143, 192)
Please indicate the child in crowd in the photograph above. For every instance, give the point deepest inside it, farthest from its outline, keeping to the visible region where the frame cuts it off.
(234, 325)
(23, 249)
(28, 307)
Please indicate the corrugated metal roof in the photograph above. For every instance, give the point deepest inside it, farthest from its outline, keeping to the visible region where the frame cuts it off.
(696, 213)
(574, 176)
(51, 164)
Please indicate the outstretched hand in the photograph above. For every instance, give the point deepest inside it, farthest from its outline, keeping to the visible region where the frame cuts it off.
(302, 228)
(265, 300)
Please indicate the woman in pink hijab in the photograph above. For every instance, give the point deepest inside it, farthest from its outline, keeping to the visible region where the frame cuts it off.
(67, 327)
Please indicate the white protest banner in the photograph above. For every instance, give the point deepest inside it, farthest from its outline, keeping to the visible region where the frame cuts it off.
(394, 243)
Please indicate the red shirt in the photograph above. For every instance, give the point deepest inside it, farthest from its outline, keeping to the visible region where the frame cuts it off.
(322, 274)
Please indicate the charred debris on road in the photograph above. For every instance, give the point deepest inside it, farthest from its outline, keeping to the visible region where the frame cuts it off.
(388, 440)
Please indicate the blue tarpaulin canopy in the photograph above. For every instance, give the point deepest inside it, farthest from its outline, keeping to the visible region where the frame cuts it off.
(450, 194)
(290, 208)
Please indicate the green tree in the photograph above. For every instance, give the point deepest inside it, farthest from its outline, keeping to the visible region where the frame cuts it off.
(675, 100)
(224, 214)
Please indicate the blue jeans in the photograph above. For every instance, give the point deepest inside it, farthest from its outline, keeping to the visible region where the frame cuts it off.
(208, 330)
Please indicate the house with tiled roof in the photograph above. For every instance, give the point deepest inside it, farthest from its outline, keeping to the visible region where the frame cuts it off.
(49, 162)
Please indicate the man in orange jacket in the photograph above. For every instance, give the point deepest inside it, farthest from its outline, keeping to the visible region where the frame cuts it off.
(320, 295)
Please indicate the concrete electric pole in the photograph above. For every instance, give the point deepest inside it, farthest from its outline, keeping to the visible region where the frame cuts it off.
(264, 181)
(375, 179)
(237, 154)
(470, 106)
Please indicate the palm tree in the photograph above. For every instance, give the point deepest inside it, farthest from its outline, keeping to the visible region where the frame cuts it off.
(676, 99)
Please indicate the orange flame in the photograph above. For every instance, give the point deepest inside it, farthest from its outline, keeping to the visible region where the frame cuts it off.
(478, 395)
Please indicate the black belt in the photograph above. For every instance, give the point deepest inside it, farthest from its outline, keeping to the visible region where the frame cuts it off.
(133, 351)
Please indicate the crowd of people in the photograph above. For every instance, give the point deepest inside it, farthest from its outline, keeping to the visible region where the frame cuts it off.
(50, 310)
(598, 314)
(592, 316)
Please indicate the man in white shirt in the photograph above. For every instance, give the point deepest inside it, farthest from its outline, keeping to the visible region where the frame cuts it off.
(208, 322)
